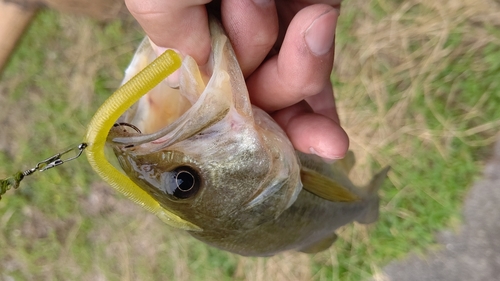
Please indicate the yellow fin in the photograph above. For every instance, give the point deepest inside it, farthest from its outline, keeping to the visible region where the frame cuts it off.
(320, 246)
(325, 187)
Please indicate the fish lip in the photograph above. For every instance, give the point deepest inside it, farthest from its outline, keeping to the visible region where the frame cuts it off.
(126, 139)
(158, 140)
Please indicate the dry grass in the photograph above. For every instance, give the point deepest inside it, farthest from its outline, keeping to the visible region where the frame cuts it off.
(406, 49)
(389, 56)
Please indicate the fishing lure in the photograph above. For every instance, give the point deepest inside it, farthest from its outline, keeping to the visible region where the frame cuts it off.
(98, 129)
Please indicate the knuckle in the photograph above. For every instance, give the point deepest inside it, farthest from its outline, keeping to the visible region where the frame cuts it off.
(306, 84)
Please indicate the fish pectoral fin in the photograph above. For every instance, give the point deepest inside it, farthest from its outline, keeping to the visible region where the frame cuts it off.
(320, 245)
(325, 187)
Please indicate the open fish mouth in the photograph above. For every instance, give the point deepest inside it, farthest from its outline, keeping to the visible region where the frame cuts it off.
(167, 115)
(155, 118)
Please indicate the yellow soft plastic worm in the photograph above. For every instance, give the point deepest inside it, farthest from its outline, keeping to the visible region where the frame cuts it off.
(105, 118)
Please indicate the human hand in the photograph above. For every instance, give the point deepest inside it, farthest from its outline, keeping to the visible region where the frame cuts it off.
(287, 69)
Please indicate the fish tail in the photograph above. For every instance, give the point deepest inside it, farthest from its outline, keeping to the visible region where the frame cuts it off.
(372, 211)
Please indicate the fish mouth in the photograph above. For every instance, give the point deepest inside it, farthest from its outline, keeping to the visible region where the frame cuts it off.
(167, 115)
(158, 116)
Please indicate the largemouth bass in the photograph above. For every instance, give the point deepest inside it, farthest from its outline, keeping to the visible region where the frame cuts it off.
(225, 171)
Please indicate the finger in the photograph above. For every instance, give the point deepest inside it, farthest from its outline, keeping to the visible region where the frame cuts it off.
(312, 133)
(182, 25)
(303, 66)
(252, 27)
(324, 103)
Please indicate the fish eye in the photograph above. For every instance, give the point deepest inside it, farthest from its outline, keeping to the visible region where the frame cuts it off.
(185, 182)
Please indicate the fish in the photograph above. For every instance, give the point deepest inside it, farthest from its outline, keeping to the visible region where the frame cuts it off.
(225, 170)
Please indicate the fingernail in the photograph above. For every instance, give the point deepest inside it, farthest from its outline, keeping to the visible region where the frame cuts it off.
(320, 34)
(327, 158)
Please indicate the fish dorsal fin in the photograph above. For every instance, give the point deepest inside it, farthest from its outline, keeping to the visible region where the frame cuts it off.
(372, 210)
(347, 162)
(325, 187)
(377, 180)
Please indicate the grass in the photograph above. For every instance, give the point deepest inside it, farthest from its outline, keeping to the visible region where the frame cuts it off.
(417, 88)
